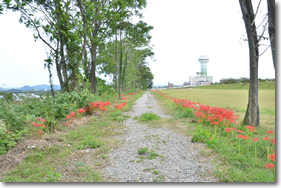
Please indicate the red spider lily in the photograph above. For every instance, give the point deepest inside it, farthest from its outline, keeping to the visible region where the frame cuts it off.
(269, 132)
(233, 128)
(214, 123)
(103, 109)
(70, 115)
(225, 124)
(43, 120)
(67, 124)
(247, 126)
(242, 136)
(239, 131)
(122, 95)
(199, 120)
(266, 138)
(40, 132)
(251, 130)
(81, 110)
(269, 165)
(255, 139)
(227, 130)
(34, 124)
(7, 130)
(210, 138)
(273, 141)
(272, 157)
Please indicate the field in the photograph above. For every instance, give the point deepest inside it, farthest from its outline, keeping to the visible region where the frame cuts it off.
(231, 98)
(262, 86)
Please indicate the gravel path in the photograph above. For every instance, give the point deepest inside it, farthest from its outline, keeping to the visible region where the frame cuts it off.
(174, 162)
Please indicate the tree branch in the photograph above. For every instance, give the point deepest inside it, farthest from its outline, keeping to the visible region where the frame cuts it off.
(37, 30)
(256, 14)
(264, 51)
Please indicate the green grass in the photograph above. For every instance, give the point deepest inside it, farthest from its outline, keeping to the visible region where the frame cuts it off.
(142, 151)
(149, 116)
(262, 86)
(235, 163)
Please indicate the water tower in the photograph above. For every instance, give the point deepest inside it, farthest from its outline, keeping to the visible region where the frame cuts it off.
(203, 59)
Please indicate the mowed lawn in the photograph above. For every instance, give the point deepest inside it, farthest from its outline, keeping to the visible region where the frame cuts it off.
(231, 98)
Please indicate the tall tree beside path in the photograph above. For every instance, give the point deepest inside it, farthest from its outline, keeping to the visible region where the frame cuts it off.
(252, 112)
(271, 28)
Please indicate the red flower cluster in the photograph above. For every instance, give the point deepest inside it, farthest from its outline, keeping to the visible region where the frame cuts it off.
(269, 132)
(250, 128)
(269, 165)
(119, 106)
(6, 131)
(255, 139)
(131, 94)
(228, 129)
(70, 115)
(242, 136)
(272, 157)
(37, 125)
(81, 110)
(214, 115)
(124, 98)
(100, 105)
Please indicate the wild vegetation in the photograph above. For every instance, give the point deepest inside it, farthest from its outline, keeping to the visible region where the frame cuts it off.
(247, 153)
(82, 123)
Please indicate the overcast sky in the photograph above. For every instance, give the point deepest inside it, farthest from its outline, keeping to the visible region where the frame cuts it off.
(183, 31)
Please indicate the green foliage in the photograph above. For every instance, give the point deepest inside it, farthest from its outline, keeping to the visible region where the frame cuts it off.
(152, 155)
(142, 151)
(52, 176)
(8, 139)
(155, 172)
(149, 116)
(181, 112)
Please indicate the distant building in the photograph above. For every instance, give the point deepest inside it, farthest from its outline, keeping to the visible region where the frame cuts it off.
(203, 60)
(170, 85)
(197, 80)
(186, 83)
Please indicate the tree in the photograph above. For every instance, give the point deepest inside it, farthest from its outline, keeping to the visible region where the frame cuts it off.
(271, 28)
(252, 112)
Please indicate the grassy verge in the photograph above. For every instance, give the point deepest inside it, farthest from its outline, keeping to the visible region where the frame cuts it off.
(237, 100)
(237, 159)
(75, 153)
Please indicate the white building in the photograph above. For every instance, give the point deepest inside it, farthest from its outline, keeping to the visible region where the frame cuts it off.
(197, 80)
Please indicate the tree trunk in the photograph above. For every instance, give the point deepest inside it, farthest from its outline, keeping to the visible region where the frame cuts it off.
(252, 114)
(62, 60)
(271, 28)
(120, 66)
(58, 67)
(116, 68)
(93, 69)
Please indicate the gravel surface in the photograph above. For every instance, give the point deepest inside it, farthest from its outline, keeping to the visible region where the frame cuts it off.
(174, 163)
